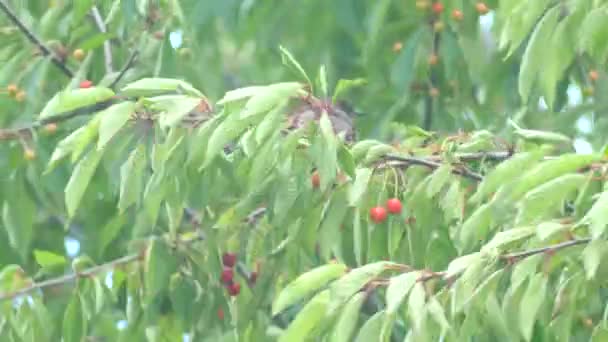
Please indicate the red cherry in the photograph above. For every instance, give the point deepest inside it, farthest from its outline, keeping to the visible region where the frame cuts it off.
(220, 314)
(377, 214)
(394, 206)
(437, 7)
(315, 179)
(86, 84)
(229, 259)
(234, 289)
(227, 275)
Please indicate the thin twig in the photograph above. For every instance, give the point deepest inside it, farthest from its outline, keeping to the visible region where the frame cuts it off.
(71, 277)
(107, 45)
(15, 133)
(433, 165)
(30, 35)
(125, 68)
(546, 249)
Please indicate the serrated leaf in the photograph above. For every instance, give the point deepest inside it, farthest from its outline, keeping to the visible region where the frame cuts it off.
(597, 216)
(345, 287)
(438, 179)
(173, 108)
(306, 284)
(549, 195)
(507, 237)
(506, 171)
(592, 257)
(416, 305)
(345, 85)
(359, 187)
(548, 170)
(547, 229)
(157, 86)
(73, 99)
(291, 62)
(269, 97)
(531, 302)
(240, 94)
(74, 323)
(398, 289)
(535, 52)
(311, 315)
(79, 181)
(476, 227)
(344, 328)
(371, 328)
(159, 265)
(360, 148)
(112, 120)
(434, 308)
(131, 178)
(48, 259)
(75, 143)
(182, 291)
(461, 263)
(18, 214)
(592, 35)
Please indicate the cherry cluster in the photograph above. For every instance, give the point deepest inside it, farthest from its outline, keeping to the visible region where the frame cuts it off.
(378, 214)
(227, 276)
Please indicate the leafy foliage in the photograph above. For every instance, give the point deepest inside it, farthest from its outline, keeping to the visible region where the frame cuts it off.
(156, 195)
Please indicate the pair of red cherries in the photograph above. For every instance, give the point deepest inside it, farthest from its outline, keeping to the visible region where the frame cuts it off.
(379, 214)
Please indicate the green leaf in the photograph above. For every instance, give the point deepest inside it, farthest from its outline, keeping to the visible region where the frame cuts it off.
(592, 35)
(530, 304)
(523, 16)
(269, 97)
(416, 305)
(110, 231)
(438, 179)
(461, 263)
(345, 287)
(535, 54)
(476, 227)
(539, 136)
(240, 94)
(505, 172)
(323, 81)
(159, 265)
(398, 289)
(592, 256)
(79, 181)
(131, 178)
(434, 308)
(291, 62)
(158, 86)
(311, 315)
(48, 259)
(345, 85)
(112, 120)
(306, 284)
(74, 143)
(18, 214)
(597, 216)
(507, 237)
(173, 108)
(549, 195)
(371, 328)
(546, 171)
(73, 99)
(344, 328)
(183, 294)
(359, 187)
(80, 10)
(74, 322)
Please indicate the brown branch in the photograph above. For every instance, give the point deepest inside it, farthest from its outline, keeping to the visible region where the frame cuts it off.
(32, 38)
(19, 132)
(107, 45)
(125, 68)
(71, 277)
(547, 249)
(433, 165)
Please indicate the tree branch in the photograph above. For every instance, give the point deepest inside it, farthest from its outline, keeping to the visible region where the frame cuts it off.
(125, 68)
(107, 45)
(433, 165)
(546, 249)
(71, 277)
(30, 35)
